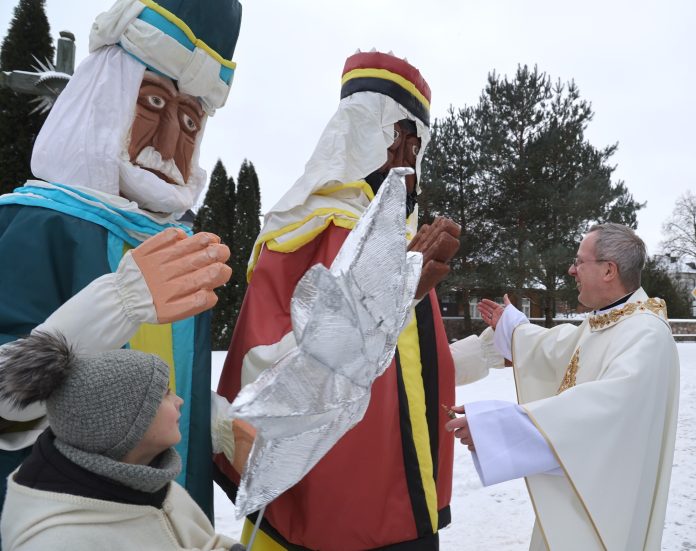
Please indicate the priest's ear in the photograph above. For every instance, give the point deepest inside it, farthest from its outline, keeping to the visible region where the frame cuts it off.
(611, 271)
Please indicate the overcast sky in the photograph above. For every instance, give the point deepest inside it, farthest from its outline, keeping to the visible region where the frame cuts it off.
(633, 60)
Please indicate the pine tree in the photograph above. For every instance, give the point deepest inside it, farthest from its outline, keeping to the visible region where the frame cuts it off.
(247, 227)
(452, 188)
(656, 282)
(518, 174)
(547, 182)
(28, 37)
(217, 215)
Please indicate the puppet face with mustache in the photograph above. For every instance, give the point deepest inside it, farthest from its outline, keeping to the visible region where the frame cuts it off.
(164, 131)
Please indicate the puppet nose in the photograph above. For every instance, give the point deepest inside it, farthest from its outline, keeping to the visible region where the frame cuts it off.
(167, 137)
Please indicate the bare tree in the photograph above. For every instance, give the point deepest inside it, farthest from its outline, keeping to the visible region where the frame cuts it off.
(679, 231)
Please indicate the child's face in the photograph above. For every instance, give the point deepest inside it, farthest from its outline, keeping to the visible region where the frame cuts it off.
(164, 432)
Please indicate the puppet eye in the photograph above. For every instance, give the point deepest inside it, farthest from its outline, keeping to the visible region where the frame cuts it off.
(156, 102)
(189, 123)
(415, 149)
(396, 134)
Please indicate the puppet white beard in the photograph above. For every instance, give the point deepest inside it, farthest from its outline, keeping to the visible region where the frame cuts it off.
(154, 194)
(150, 158)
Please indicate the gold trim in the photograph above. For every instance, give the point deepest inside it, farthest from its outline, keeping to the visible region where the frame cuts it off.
(360, 184)
(536, 514)
(331, 214)
(269, 240)
(515, 375)
(571, 371)
(565, 471)
(655, 305)
(514, 367)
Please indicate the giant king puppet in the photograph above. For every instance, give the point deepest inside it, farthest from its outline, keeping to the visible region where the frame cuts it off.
(387, 482)
(118, 164)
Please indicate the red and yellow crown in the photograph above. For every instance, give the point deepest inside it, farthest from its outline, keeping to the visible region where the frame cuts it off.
(389, 75)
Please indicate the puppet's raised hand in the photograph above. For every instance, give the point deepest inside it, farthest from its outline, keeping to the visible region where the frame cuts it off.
(233, 437)
(438, 243)
(244, 435)
(182, 272)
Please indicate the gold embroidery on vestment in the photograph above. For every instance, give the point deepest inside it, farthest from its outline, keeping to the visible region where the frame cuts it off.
(655, 305)
(569, 377)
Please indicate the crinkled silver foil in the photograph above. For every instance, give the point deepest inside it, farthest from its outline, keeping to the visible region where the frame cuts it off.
(346, 321)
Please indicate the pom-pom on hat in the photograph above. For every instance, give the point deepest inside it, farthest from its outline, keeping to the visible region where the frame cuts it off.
(101, 403)
(389, 75)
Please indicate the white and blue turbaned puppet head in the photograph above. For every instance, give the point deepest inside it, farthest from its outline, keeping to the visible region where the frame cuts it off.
(130, 121)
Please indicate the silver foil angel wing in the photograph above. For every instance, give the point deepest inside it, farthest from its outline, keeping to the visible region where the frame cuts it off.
(346, 321)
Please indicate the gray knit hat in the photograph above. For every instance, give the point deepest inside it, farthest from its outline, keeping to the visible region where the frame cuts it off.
(101, 403)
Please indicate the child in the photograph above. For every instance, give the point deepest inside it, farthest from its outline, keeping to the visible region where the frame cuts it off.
(102, 475)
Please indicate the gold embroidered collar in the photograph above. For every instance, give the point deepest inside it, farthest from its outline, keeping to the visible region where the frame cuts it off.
(656, 306)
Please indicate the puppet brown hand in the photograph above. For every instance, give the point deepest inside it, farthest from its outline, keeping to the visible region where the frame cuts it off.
(244, 435)
(181, 272)
(438, 243)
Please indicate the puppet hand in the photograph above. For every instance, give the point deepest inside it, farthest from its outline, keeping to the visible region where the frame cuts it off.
(181, 272)
(438, 243)
(234, 438)
(244, 435)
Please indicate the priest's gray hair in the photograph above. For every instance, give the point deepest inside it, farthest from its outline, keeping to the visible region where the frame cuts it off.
(621, 245)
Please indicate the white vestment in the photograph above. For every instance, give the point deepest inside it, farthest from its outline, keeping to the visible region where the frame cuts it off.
(611, 427)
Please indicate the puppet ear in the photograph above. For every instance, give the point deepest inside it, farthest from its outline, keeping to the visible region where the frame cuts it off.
(33, 367)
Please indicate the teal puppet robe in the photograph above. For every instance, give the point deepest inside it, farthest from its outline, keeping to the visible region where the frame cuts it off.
(54, 240)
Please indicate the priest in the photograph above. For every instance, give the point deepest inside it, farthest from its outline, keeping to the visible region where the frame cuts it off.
(594, 430)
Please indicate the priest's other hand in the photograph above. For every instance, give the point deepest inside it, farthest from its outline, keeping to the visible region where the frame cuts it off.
(491, 312)
(182, 272)
(460, 426)
(438, 243)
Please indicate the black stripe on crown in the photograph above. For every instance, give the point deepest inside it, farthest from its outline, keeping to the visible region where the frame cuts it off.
(388, 88)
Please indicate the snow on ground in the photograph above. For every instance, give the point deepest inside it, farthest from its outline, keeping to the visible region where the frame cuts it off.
(500, 517)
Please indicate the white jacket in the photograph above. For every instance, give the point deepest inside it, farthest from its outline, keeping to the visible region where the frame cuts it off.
(36, 519)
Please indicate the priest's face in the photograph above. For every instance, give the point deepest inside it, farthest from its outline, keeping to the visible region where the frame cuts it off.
(163, 135)
(589, 272)
(404, 151)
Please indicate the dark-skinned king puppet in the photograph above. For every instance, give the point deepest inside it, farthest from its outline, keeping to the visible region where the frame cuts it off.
(387, 480)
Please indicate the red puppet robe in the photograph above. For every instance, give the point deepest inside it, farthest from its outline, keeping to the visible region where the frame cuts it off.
(388, 481)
